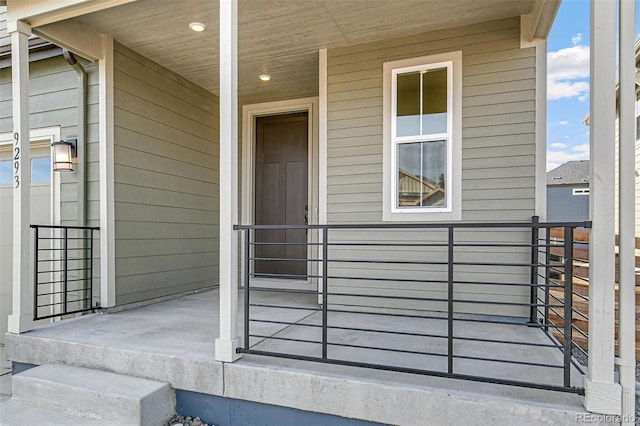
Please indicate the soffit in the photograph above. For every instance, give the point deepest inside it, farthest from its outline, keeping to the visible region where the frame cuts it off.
(280, 37)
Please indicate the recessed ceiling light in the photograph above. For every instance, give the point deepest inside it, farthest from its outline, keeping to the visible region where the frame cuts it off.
(264, 77)
(197, 27)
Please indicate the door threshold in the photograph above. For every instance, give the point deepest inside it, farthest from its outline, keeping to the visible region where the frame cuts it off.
(276, 283)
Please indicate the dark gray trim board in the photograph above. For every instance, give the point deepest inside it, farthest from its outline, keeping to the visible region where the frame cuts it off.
(222, 411)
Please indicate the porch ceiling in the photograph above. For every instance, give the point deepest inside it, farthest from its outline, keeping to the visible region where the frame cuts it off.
(280, 37)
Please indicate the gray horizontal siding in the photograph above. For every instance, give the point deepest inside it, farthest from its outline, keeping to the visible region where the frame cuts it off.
(562, 205)
(4, 37)
(166, 181)
(498, 153)
(53, 101)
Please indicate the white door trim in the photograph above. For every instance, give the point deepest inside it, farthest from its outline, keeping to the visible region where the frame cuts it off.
(249, 114)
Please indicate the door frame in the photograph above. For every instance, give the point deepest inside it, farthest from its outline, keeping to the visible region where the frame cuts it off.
(249, 114)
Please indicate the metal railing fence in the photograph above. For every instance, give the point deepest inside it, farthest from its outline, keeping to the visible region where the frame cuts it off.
(62, 270)
(441, 299)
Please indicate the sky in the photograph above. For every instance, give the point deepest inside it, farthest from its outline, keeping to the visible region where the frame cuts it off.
(568, 83)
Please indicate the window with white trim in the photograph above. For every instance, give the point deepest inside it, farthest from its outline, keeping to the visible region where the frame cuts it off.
(422, 138)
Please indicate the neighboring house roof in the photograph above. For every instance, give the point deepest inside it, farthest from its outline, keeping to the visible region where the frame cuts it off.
(570, 173)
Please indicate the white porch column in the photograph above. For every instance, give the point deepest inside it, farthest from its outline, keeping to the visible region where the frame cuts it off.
(226, 344)
(107, 180)
(21, 318)
(602, 394)
(627, 139)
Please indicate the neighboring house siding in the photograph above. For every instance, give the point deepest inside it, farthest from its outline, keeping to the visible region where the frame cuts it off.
(498, 152)
(5, 38)
(637, 173)
(563, 206)
(166, 181)
(617, 182)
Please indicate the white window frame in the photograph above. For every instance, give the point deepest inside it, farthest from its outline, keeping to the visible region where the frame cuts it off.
(580, 191)
(453, 209)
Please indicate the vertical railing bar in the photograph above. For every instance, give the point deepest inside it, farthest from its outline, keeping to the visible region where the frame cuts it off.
(247, 274)
(535, 234)
(450, 303)
(547, 277)
(325, 284)
(65, 267)
(91, 269)
(35, 274)
(568, 302)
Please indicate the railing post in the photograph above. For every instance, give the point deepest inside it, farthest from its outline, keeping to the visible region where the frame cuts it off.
(325, 289)
(247, 276)
(547, 277)
(65, 265)
(450, 303)
(35, 272)
(568, 302)
(535, 235)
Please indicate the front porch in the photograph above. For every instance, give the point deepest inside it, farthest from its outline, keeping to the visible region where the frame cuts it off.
(173, 341)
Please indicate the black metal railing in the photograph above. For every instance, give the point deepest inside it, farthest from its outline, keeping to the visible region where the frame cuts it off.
(62, 270)
(565, 251)
(466, 300)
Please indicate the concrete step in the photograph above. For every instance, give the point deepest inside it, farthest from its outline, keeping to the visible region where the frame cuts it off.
(96, 394)
(19, 413)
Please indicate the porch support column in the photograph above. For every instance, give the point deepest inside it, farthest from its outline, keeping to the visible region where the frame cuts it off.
(21, 318)
(226, 344)
(627, 139)
(602, 394)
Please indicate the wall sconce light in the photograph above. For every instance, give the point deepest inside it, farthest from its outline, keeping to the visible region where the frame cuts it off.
(63, 154)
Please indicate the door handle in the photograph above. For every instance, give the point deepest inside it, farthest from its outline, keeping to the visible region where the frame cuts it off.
(306, 217)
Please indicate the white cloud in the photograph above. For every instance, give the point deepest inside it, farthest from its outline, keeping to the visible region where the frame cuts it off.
(567, 71)
(577, 39)
(582, 148)
(556, 158)
(558, 145)
(563, 122)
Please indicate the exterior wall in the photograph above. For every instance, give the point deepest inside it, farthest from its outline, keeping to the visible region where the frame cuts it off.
(498, 157)
(166, 181)
(563, 206)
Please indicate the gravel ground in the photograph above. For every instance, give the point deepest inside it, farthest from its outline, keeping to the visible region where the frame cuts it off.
(185, 421)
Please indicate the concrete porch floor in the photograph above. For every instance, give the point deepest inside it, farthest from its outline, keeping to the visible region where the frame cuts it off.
(173, 341)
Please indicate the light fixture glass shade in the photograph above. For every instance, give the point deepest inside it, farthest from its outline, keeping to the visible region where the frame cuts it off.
(197, 27)
(62, 156)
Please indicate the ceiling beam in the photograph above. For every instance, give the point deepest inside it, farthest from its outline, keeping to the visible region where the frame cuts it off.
(74, 36)
(536, 24)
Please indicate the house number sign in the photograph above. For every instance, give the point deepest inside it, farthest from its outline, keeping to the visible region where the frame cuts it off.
(16, 159)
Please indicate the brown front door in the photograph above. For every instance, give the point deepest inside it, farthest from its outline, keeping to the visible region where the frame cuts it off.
(281, 194)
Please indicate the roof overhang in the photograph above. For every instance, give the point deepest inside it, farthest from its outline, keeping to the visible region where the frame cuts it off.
(279, 37)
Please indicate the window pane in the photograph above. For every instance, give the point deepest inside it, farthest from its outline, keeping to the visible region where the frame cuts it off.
(6, 170)
(41, 170)
(421, 174)
(434, 101)
(408, 104)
